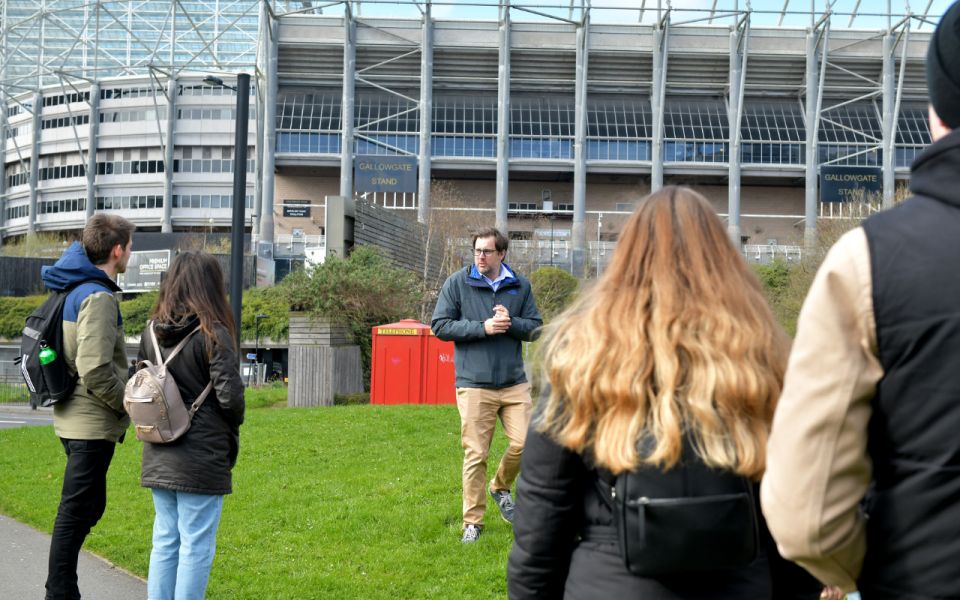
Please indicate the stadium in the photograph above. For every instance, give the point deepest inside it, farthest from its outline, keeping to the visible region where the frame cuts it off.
(549, 120)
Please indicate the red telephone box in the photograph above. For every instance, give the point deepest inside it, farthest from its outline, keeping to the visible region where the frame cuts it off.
(411, 366)
(439, 384)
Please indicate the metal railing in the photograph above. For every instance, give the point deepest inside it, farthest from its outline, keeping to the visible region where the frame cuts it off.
(13, 391)
(767, 253)
(306, 240)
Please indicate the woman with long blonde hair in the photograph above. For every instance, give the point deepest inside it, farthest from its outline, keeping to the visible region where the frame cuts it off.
(670, 366)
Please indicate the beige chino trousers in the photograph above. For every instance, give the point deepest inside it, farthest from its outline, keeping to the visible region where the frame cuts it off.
(479, 409)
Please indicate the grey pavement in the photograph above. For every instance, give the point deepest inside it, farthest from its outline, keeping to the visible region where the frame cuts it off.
(24, 550)
(23, 568)
(12, 415)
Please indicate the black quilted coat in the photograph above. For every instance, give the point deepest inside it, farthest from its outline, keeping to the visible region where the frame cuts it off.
(201, 461)
(558, 500)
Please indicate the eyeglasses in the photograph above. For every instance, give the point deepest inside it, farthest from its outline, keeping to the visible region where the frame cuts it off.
(485, 251)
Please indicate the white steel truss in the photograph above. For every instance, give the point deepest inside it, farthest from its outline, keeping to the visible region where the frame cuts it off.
(72, 46)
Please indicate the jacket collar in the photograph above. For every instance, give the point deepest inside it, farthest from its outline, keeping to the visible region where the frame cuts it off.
(72, 268)
(934, 173)
(475, 279)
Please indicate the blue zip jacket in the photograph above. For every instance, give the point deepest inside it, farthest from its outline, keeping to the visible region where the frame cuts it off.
(465, 302)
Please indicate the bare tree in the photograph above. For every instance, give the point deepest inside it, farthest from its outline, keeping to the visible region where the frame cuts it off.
(786, 303)
(41, 244)
(447, 232)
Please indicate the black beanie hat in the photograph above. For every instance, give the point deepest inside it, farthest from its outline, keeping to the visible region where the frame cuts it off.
(943, 68)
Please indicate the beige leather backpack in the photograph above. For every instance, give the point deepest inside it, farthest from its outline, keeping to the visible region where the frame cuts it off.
(153, 401)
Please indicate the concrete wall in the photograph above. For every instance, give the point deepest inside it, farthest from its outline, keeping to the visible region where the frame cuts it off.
(604, 193)
(297, 187)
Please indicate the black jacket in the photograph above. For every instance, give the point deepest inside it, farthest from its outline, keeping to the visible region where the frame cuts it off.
(913, 529)
(557, 499)
(201, 461)
(465, 302)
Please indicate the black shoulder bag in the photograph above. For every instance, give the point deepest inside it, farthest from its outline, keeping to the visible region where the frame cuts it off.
(690, 519)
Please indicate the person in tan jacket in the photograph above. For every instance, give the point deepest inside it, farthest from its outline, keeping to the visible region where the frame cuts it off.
(861, 486)
(92, 420)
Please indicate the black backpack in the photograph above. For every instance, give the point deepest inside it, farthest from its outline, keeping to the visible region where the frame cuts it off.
(42, 361)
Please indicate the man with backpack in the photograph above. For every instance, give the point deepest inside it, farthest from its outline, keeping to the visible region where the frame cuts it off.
(91, 420)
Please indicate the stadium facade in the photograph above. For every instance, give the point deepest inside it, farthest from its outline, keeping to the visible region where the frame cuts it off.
(105, 108)
(547, 121)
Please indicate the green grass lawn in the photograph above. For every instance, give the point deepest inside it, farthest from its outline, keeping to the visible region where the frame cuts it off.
(340, 502)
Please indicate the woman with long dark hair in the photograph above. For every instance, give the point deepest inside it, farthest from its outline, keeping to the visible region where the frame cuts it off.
(190, 476)
(669, 370)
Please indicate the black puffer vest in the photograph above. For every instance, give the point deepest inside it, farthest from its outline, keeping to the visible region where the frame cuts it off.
(913, 530)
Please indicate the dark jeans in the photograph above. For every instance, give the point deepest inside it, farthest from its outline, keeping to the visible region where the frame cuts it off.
(82, 502)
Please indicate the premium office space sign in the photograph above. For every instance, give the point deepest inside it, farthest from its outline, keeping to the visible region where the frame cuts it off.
(144, 270)
(385, 174)
(850, 184)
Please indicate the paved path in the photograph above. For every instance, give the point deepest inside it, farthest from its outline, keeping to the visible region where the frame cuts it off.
(24, 550)
(22, 416)
(23, 568)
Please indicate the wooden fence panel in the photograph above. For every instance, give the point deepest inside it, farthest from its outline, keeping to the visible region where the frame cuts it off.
(322, 362)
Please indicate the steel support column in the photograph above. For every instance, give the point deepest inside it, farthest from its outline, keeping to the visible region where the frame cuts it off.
(3, 157)
(257, 164)
(503, 118)
(579, 232)
(93, 135)
(426, 115)
(739, 38)
(889, 120)
(259, 85)
(34, 162)
(349, 72)
(4, 104)
(812, 115)
(269, 133)
(657, 97)
(166, 224)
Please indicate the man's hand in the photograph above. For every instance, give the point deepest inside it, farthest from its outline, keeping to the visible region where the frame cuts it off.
(832, 593)
(499, 322)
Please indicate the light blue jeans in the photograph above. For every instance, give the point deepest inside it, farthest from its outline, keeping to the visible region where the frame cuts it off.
(184, 542)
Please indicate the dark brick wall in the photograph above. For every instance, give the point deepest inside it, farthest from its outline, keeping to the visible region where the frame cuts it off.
(20, 276)
(397, 233)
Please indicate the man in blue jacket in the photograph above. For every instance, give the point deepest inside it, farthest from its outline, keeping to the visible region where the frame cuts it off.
(486, 310)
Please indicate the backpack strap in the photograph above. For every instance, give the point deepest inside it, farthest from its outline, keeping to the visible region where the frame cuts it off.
(203, 396)
(176, 350)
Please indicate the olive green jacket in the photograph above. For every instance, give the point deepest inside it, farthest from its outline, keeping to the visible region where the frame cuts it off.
(95, 349)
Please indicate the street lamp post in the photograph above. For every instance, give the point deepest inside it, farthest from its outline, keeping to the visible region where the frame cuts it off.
(548, 208)
(239, 191)
(256, 347)
(551, 239)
